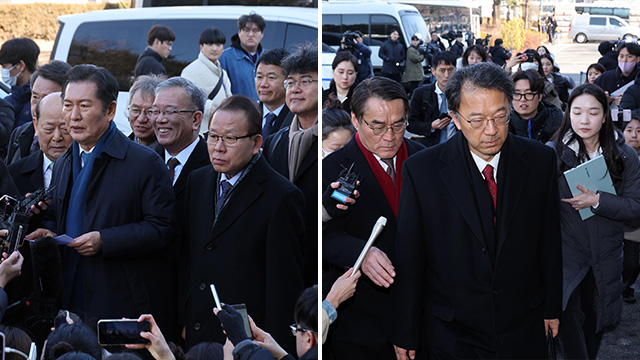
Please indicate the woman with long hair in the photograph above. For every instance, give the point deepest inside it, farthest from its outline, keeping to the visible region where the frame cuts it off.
(345, 71)
(592, 248)
(474, 54)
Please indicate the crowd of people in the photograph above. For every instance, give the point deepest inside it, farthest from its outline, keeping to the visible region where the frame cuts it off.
(139, 226)
(487, 251)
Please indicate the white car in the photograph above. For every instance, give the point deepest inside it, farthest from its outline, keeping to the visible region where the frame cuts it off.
(113, 39)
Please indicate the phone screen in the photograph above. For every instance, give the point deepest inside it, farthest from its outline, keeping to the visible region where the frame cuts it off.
(122, 332)
(242, 309)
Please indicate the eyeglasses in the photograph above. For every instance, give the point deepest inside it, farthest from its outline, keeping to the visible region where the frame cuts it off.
(168, 113)
(527, 96)
(253, 31)
(135, 112)
(294, 330)
(382, 129)
(226, 140)
(480, 122)
(303, 84)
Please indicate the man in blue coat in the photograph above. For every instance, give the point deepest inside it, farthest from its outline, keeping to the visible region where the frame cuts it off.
(240, 59)
(113, 197)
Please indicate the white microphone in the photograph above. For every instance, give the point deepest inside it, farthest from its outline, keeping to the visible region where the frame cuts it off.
(377, 229)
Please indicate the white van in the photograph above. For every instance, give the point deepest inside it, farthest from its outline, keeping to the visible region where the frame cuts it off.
(113, 39)
(375, 19)
(601, 27)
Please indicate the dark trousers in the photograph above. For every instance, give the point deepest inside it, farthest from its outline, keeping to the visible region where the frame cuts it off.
(631, 263)
(578, 337)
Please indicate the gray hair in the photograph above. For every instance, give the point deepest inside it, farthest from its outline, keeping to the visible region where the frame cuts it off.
(484, 75)
(146, 84)
(303, 59)
(194, 93)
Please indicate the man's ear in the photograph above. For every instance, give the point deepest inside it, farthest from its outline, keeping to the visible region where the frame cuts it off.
(354, 121)
(310, 340)
(454, 118)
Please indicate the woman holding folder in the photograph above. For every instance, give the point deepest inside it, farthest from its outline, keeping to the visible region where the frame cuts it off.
(592, 248)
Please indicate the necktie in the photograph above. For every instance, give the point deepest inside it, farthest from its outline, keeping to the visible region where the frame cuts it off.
(85, 157)
(269, 126)
(225, 187)
(390, 169)
(171, 165)
(443, 110)
(493, 187)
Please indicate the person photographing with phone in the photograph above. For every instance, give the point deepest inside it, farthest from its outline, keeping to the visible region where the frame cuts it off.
(264, 347)
(429, 115)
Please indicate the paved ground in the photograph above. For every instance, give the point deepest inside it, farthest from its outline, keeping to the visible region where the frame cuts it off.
(623, 341)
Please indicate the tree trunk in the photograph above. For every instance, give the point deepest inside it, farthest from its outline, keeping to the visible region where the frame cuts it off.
(496, 13)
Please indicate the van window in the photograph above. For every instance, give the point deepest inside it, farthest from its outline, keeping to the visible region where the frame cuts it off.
(331, 30)
(615, 22)
(115, 45)
(598, 21)
(381, 26)
(356, 22)
(298, 34)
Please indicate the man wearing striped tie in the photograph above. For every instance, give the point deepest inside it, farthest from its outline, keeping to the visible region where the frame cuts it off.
(243, 228)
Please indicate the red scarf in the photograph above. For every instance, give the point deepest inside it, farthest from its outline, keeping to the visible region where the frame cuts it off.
(391, 192)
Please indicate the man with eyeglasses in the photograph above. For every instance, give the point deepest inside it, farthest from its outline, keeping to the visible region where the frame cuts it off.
(532, 117)
(292, 151)
(429, 115)
(159, 45)
(175, 117)
(478, 255)
(243, 226)
(239, 60)
(141, 96)
(379, 113)
(113, 198)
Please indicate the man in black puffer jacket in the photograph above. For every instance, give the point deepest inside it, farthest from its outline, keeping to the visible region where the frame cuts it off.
(530, 116)
(392, 53)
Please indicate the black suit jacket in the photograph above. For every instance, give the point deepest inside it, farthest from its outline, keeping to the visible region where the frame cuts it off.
(276, 151)
(363, 319)
(423, 109)
(283, 119)
(199, 158)
(467, 289)
(249, 250)
(20, 142)
(27, 173)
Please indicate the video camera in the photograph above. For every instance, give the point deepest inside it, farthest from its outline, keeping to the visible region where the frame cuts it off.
(484, 42)
(349, 39)
(14, 216)
(450, 36)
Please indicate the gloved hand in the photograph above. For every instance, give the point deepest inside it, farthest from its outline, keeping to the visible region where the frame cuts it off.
(232, 323)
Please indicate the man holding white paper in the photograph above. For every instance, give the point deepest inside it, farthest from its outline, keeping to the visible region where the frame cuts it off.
(379, 113)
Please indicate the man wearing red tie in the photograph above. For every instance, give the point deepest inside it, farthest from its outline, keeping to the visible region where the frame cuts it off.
(478, 253)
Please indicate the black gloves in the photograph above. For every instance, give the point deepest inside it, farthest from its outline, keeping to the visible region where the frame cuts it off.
(233, 324)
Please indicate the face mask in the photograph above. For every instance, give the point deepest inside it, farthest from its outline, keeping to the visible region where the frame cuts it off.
(7, 78)
(528, 66)
(626, 67)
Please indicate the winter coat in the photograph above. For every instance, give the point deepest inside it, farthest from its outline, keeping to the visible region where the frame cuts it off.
(546, 122)
(149, 62)
(392, 54)
(596, 242)
(563, 84)
(631, 97)
(20, 99)
(612, 80)
(550, 94)
(413, 66)
(241, 68)
(205, 75)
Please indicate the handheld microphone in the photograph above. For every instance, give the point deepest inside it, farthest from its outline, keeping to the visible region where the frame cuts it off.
(377, 229)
